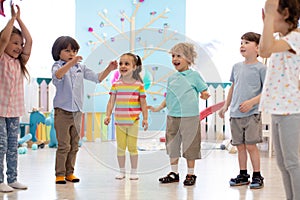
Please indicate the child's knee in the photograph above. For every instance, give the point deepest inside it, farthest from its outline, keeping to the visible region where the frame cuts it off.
(121, 152)
(133, 150)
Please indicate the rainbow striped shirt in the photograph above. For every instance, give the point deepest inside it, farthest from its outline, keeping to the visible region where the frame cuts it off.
(128, 107)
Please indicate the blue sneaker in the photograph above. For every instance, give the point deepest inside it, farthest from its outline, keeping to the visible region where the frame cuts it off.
(241, 179)
(257, 182)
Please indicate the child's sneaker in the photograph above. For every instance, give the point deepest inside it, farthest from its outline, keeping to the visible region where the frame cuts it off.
(241, 179)
(60, 180)
(17, 185)
(120, 176)
(257, 182)
(5, 188)
(134, 177)
(170, 178)
(72, 178)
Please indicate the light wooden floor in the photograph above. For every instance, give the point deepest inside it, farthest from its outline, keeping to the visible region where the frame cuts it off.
(96, 167)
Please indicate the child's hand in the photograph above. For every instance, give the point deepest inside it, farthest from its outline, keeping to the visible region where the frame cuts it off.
(113, 65)
(145, 124)
(13, 12)
(153, 109)
(204, 95)
(78, 59)
(106, 120)
(222, 112)
(246, 106)
(18, 14)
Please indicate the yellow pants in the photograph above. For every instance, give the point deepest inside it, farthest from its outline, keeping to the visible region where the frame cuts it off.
(127, 137)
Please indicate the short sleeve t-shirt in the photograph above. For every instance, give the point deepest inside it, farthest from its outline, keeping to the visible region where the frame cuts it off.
(128, 107)
(281, 93)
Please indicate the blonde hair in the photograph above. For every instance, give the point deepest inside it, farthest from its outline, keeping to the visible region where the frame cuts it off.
(186, 50)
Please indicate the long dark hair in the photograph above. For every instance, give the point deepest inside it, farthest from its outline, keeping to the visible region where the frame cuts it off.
(137, 61)
(22, 62)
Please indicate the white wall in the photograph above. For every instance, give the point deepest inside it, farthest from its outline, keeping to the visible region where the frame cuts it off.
(206, 21)
(46, 20)
(224, 22)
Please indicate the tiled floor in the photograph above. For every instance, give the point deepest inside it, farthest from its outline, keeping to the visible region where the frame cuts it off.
(96, 167)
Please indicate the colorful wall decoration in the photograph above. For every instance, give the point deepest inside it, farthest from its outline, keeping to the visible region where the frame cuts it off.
(106, 30)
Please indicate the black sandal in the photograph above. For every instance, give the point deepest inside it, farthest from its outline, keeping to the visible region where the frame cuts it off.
(170, 178)
(190, 180)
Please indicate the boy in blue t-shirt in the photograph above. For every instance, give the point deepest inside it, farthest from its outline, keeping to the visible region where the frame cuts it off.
(183, 122)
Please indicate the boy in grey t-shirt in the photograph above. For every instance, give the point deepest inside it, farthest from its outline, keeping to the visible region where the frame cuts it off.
(247, 79)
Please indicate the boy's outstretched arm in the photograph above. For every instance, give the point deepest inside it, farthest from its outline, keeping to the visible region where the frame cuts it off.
(112, 66)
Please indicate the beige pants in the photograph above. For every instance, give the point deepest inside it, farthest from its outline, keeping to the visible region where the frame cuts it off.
(67, 126)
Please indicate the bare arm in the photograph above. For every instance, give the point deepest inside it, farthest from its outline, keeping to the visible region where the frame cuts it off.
(112, 66)
(26, 34)
(160, 107)
(246, 106)
(268, 44)
(6, 32)
(63, 70)
(109, 108)
(227, 102)
(144, 113)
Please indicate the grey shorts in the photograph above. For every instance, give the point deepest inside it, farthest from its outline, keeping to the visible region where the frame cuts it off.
(246, 130)
(183, 133)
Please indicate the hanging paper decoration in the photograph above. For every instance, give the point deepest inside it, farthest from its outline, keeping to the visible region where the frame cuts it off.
(104, 11)
(90, 42)
(155, 68)
(138, 39)
(2, 8)
(90, 29)
(153, 13)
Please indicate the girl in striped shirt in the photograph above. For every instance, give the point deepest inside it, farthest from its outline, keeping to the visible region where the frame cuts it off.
(128, 97)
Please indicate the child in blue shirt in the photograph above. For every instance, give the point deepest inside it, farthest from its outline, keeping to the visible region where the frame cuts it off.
(183, 122)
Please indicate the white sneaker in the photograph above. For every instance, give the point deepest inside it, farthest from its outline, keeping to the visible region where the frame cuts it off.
(18, 185)
(120, 176)
(5, 188)
(134, 177)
